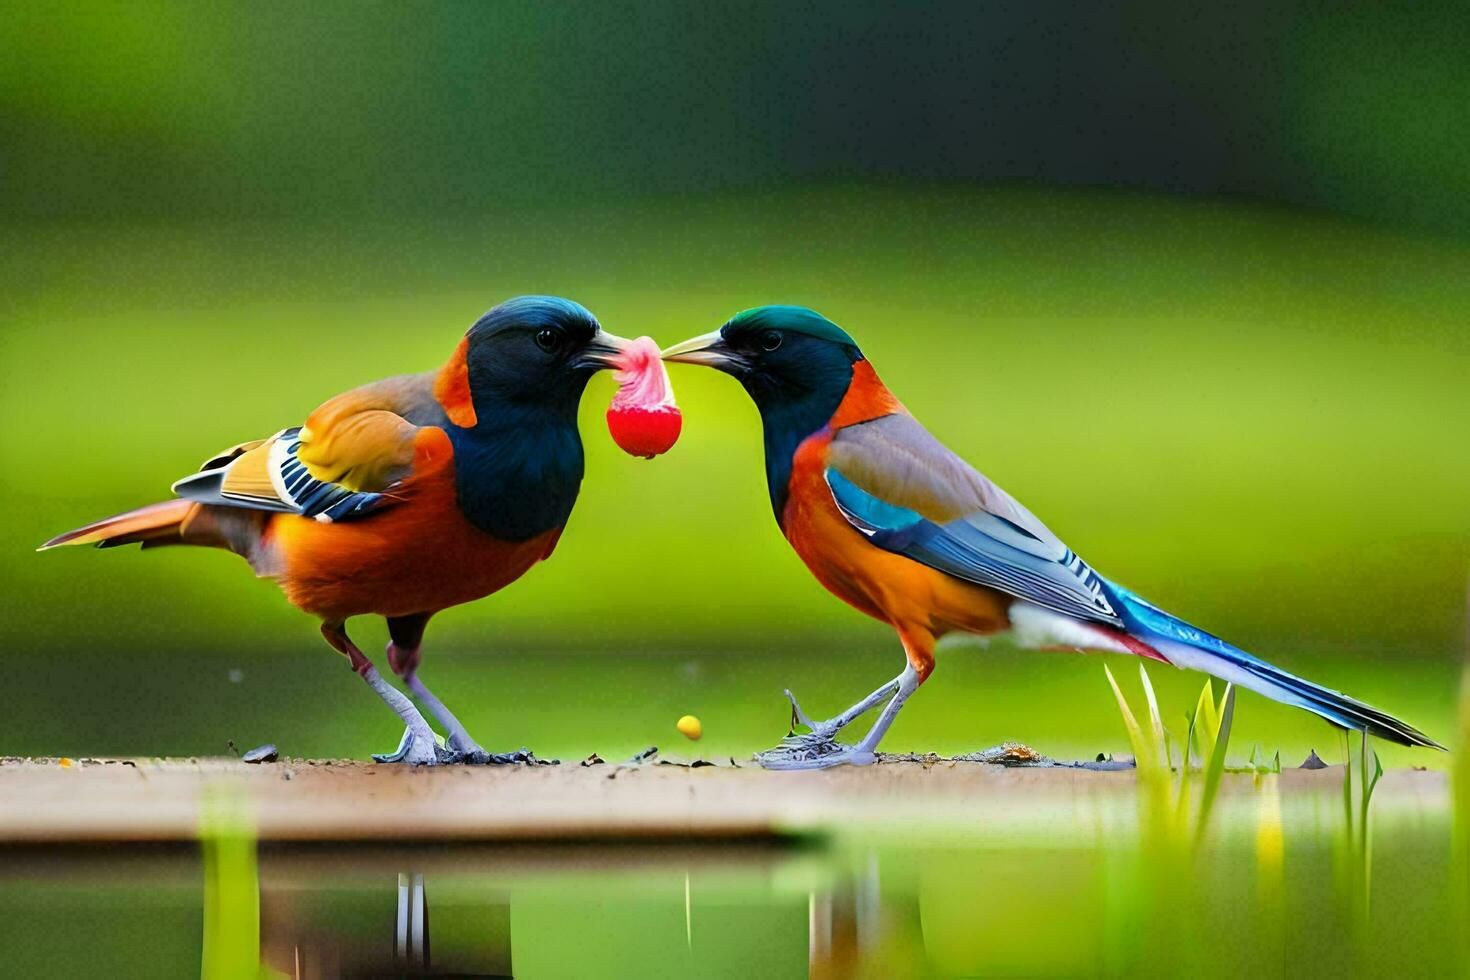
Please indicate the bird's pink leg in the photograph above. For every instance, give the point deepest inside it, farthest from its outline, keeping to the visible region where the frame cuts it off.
(418, 746)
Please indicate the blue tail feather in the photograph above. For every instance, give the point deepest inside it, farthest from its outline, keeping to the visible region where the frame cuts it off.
(1189, 646)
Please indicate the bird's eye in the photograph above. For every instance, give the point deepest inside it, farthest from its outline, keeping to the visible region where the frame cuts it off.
(548, 339)
(770, 340)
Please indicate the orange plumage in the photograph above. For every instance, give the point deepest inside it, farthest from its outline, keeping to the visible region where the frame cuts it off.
(920, 603)
(405, 497)
(420, 555)
(897, 525)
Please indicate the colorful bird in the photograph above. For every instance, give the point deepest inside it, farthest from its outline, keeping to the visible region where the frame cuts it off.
(406, 496)
(898, 526)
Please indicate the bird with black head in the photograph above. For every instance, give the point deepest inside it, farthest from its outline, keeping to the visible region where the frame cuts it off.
(405, 497)
(892, 522)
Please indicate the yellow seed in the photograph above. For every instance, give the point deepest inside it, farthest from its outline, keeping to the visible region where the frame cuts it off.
(689, 727)
(65, 763)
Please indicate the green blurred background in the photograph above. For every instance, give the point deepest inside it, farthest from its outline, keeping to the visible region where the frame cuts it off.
(1193, 285)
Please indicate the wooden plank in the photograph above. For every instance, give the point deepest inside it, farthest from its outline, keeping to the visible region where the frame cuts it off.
(42, 801)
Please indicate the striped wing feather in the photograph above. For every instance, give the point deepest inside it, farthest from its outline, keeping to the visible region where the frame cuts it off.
(354, 448)
(248, 475)
(899, 486)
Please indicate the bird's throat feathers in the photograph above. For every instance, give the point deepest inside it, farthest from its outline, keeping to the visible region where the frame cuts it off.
(518, 461)
(790, 422)
(518, 477)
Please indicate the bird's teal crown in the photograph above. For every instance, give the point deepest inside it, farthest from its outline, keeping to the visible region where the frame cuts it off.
(797, 319)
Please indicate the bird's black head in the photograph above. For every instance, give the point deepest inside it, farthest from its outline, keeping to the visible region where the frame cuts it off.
(797, 366)
(510, 396)
(536, 350)
(783, 355)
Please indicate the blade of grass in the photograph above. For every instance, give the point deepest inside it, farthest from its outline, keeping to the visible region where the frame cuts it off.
(1206, 723)
(1135, 733)
(1216, 766)
(231, 942)
(1160, 738)
(1461, 803)
(1370, 782)
(1183, 793)
(1270, 868)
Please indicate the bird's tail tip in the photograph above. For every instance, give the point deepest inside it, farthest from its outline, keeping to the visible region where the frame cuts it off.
(151, 523)
(1333, 706)
(1185, 645)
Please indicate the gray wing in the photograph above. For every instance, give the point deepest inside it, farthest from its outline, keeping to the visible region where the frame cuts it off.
(899, 486)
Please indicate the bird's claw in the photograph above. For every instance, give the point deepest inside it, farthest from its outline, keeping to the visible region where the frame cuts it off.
(799, 717)
(815, 751)
(823, 730)
(419, 750)
(465, 751)
(416, 750)
(520, 757)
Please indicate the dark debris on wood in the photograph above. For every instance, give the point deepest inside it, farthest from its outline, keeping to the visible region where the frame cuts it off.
(1011, 755)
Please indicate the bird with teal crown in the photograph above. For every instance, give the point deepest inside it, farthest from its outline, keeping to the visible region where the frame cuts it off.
(405, 497)
(895, 524)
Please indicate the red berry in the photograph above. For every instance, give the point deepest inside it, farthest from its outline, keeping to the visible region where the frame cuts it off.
(643, 418)
(643, 431)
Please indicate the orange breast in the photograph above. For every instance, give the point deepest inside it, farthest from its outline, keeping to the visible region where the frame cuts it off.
(897, 590)
(417, 555)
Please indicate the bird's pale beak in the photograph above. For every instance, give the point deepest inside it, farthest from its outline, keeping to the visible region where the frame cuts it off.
(605, 350)
(708, 349)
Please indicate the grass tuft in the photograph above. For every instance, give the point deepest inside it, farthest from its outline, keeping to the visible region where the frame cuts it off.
(231, 891)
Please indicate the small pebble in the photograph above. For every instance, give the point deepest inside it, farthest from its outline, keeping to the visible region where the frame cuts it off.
(261, 753)
(1313, 761)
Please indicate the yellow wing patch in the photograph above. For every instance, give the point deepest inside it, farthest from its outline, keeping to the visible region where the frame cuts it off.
(363, 451)
(249, 475)
(353, 447)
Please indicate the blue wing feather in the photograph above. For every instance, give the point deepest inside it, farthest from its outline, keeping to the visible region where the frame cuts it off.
(999, 544)
(981, 548)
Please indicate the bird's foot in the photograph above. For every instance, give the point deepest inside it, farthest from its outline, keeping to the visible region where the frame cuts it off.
(417, 748)
(815, 751)
(819, 748)
(520, 757)
(826, 730)
(466, 751)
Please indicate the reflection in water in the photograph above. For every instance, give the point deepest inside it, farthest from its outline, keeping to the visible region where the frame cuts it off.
(986, 900)
(334, 914)
(411, 949)
(577, 910)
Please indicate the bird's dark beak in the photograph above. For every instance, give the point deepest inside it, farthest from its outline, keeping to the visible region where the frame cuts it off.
(708, 349)
(604, 350)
